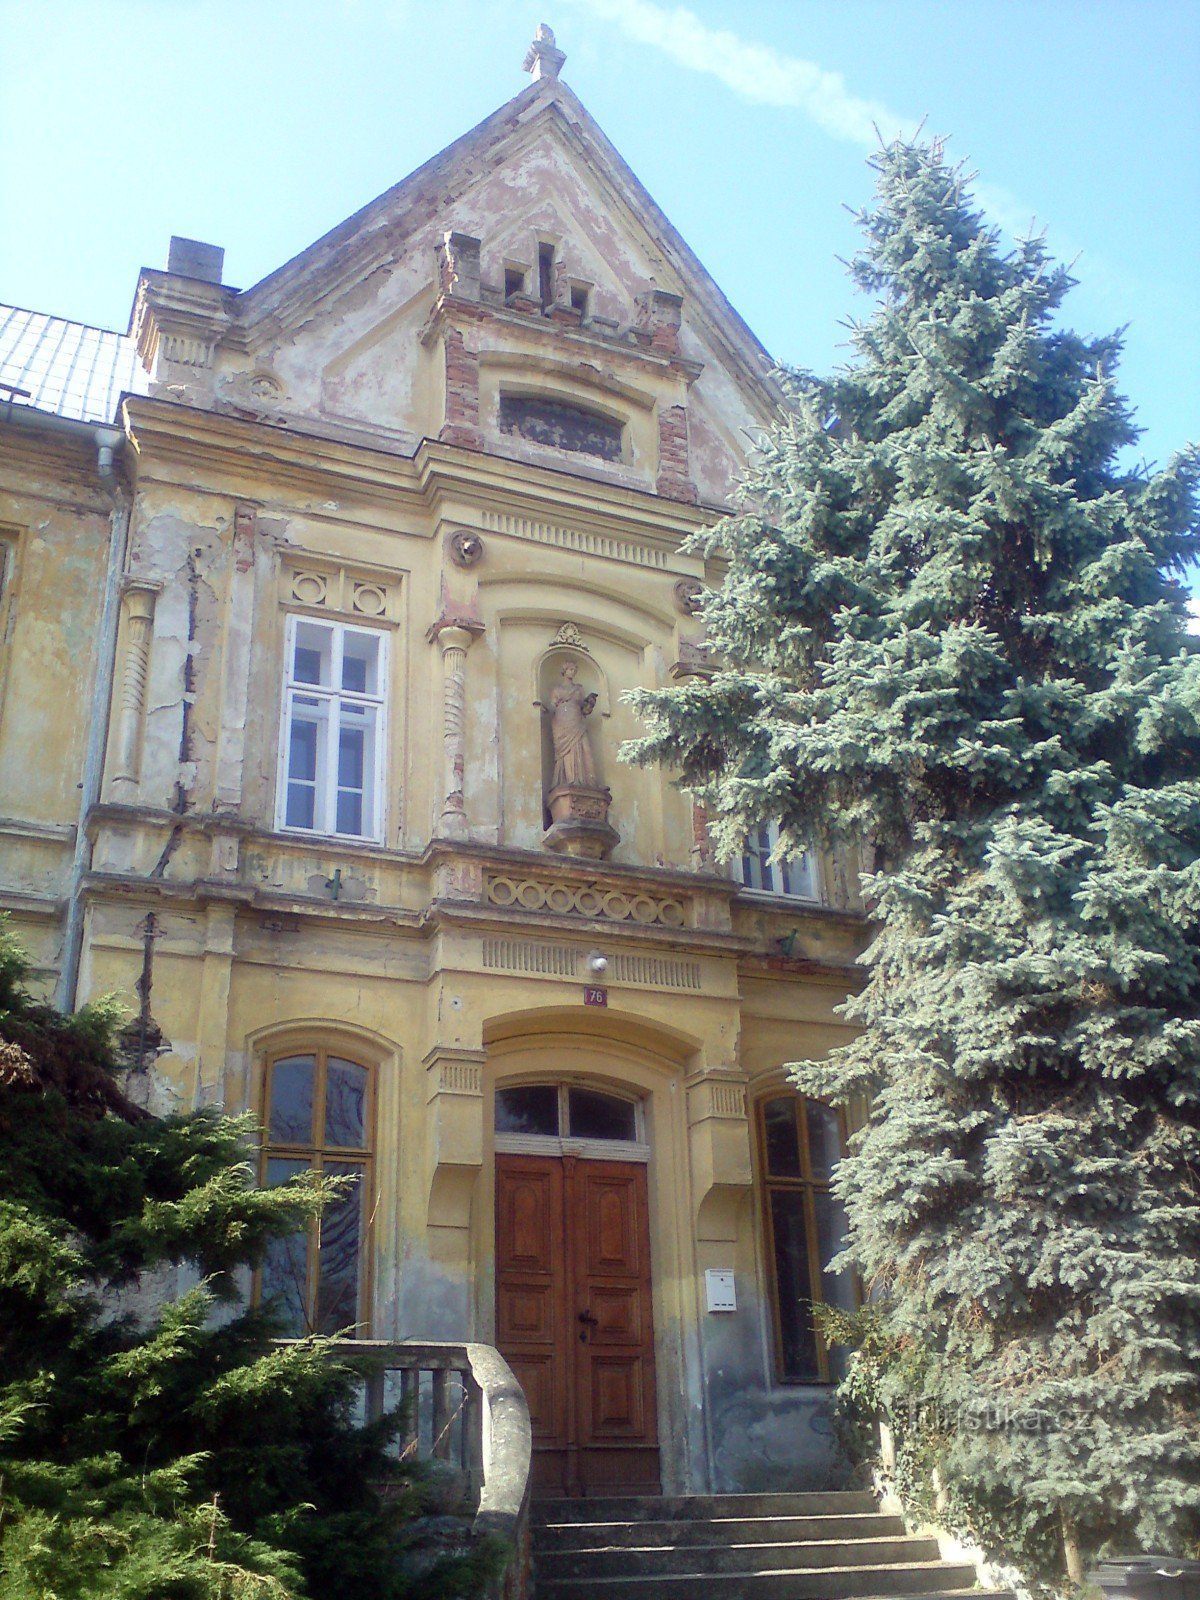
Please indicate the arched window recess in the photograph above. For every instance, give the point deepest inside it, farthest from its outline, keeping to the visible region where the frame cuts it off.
(318, 1116)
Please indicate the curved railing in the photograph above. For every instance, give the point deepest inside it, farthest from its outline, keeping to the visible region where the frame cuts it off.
(466, 1413)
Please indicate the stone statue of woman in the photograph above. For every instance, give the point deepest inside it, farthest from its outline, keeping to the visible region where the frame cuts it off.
(570, 703)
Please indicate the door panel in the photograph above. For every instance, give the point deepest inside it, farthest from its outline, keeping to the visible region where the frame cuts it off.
(530, 1290)
(574, 1321)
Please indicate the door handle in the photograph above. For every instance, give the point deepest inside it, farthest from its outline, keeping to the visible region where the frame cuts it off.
(589, 1320)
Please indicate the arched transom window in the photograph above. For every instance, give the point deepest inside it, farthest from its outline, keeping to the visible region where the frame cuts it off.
(318, 1118)
(800, 1143)
(571, 1119)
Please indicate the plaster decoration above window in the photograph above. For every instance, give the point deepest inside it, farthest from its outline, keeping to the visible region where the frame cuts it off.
(595, 544)
(565, 961)
(586, 900)
(795, 876)
(334, 726)
(325, 587)
(561, 425)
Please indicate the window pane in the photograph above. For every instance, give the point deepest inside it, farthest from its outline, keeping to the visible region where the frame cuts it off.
(798, 1354)
(360, 663)
(532, 1108)
(600, 1116)
(837, 1288)
(313, 656)
(345, 1103)
(302, 749)
(291, 1114)
(301, 805)
(824, 1139)
(303, 761)
(798, 878)
(285, 1263)
(340, 1234)
(779, 1137)
(356, 771)
(764, 842)
(350, 756)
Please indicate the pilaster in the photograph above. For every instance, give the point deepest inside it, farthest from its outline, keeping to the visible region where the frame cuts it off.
(454, 637)
(139, 601)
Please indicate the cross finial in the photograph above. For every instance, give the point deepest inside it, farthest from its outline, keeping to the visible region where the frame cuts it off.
(543, 58)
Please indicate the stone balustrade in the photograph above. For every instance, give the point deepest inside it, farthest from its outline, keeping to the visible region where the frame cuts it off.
(465, 1411)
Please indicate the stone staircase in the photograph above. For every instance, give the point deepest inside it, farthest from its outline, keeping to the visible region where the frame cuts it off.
(736, 1547)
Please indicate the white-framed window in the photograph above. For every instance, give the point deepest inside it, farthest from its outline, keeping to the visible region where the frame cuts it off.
(333, 732)
(795, 876)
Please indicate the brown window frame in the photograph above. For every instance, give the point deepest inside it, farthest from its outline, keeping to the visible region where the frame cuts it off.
(316, 1155)
(808, 1187)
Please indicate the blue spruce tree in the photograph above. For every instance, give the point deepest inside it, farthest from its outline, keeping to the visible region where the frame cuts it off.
(953, 638)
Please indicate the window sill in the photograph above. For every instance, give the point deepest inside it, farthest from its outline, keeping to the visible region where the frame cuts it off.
(347, 839)
(777, 896)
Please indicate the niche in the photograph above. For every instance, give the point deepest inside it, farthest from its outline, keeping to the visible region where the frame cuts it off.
(571, 696)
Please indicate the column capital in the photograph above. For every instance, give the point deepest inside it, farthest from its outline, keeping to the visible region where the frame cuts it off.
(455, 633)
(139, 595)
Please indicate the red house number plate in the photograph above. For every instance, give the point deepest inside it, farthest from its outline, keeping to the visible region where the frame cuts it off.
(595, 997)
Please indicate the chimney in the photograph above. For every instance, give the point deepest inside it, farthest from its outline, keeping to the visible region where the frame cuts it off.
(188, 258)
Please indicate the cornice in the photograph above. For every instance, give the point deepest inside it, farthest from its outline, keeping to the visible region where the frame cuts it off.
(165, 433)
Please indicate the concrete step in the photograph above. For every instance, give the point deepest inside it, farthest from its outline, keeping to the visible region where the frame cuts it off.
(924, 1578)
(716, 1530)
(642, 1561)
(677, 1508)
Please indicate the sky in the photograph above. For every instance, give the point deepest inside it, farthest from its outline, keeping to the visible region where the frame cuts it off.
(260, 124)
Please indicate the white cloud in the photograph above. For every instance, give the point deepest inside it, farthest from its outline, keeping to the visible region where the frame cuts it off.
(757, 72)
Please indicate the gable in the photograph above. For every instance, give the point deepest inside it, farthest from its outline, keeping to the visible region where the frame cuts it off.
(340, 339)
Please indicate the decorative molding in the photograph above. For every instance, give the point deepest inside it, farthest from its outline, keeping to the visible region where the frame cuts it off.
(728, 1100)
(466, 548)
(454, 640)
(688, 594)
(528, 955)
(595, 544)
(568, 634)
(695, 660)
(654, 972)
(564, 961)
(723, 1097)
(595, 900)
(186, 350)
(350, 593)
(139, 596)
(454, 1071)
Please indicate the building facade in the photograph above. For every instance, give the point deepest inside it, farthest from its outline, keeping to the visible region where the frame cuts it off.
(318, 604)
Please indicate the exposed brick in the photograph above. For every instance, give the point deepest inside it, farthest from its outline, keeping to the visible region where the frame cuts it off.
(674, 467)
(462, 392)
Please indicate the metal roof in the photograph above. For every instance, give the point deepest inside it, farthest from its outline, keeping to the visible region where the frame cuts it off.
(67, 367)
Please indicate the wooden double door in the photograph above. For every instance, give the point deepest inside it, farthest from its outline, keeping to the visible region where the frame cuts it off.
(573, 1319)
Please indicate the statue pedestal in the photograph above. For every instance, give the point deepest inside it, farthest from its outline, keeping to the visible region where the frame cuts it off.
(579, 822)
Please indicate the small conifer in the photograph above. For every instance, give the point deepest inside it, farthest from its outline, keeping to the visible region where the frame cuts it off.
(184, 1454)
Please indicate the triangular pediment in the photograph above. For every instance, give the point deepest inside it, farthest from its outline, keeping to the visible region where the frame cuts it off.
(336, 335)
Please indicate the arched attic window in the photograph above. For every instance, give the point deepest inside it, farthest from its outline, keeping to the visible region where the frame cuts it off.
(562, 425)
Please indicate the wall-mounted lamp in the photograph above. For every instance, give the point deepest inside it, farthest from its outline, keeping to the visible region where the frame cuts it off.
(597, 964)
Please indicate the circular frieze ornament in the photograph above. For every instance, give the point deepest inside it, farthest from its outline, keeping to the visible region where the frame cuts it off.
(466, 549)
(369, 599)
(688, 594)
(308, 588)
